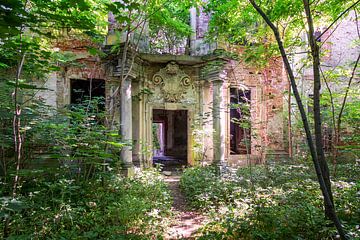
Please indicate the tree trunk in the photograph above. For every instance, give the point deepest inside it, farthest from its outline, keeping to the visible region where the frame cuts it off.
(315, 53)
(290, 146)
(313, 152)
(16, 122)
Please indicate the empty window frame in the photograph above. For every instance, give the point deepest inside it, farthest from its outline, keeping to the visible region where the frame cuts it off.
(85, 90)
(240, 125)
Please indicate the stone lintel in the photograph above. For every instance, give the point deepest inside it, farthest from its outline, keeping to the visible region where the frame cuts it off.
(171, 106)
(180, 59)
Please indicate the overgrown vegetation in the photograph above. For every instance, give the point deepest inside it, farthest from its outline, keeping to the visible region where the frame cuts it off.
(53, 205)
(60, 171)
(60, 168)
(272, 202)
(70, 186)
(284, 22)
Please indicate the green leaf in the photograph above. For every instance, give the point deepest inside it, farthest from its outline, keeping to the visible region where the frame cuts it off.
(25, 86)
(117, 144)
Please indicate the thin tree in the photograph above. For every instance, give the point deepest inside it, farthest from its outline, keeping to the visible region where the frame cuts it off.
(316, 149)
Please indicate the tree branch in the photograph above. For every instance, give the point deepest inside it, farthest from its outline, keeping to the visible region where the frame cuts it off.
(342, 14)
(318, 169)
(347, 91)
(331, 99)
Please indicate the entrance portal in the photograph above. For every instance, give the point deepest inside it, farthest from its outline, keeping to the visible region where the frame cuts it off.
(169, 134)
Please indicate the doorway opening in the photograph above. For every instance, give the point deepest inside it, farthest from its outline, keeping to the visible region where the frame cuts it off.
(170, 140)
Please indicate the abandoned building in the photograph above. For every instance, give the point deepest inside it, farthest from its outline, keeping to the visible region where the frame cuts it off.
(188, 104)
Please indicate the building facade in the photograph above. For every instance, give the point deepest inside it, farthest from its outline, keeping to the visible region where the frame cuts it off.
(197, 106)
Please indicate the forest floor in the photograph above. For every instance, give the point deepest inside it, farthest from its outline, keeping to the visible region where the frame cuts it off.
(186, 222)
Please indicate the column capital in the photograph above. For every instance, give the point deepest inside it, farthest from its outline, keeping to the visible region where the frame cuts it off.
(128, 71)
(129, 67)
(217, 76)
(113, 80)
(215, 71)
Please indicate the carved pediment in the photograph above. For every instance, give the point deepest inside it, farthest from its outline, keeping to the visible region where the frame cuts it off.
(173, 82)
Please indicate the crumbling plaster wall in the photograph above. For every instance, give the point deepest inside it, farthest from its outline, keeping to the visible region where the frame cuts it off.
(49, 96)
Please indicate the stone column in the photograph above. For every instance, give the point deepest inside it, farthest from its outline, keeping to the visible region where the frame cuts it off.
(126, 125)
(218, 123)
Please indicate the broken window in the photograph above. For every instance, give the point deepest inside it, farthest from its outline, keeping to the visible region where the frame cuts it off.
(82, 91)
(88, 96)
(240, 126)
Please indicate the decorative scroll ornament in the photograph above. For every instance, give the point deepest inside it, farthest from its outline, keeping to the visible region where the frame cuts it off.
(172, 81)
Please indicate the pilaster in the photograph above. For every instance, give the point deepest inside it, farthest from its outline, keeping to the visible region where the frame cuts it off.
(126, 122)
(127, 71)
(216, 74)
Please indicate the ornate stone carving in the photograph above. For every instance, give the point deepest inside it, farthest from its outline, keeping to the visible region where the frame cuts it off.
(172, 81)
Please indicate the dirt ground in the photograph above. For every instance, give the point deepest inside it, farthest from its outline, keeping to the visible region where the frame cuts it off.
(187, 222)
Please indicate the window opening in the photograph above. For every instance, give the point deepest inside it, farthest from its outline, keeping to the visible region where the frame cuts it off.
(81, 89)
(240, 125)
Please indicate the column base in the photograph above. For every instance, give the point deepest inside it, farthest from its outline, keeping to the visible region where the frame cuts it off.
(221, 167)
(128, 170)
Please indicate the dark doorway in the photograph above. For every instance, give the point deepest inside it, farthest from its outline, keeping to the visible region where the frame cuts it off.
(169, 130)
(240, 125)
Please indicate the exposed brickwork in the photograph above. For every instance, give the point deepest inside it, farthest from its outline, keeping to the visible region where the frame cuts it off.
(268, 86)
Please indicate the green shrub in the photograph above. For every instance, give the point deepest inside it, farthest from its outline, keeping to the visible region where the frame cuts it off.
(110, 207)
(271, 202)
(196, 182)
(203, 188)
